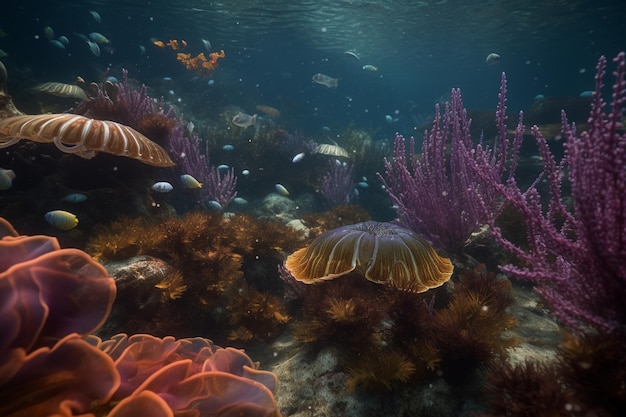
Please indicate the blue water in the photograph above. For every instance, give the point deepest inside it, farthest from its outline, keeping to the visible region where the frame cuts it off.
(422, 49)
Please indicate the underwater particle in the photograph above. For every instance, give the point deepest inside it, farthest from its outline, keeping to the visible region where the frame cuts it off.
(167, 78)
(75, 198)
(95, 15)
(245, 172)
(299, 157)
(228, 147)
(214, 205)
(281, 189)
(211, 82)
(383, 253)
(6, 178)
(325, 129)
(61, 219)
(162, 187)
(190, 182)
(240, 200)
(492, 58)
(244, 120)
(98, 38)
(370, 68)
(324, 79)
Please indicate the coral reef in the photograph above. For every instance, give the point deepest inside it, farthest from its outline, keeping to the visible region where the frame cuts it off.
(575, 256)
(55, 299)
(412, 336)
(211, 253)
(443, 194)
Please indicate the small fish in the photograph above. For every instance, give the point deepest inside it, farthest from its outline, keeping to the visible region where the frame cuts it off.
(189, 181)
(223, 167)
(98, 38)
(95, 15)
(281, 189)
(57, 44)
(167, 78)
(48, 33)
(64, 40)
(162, 187)
(61, 219)
(244, 120)
(587, 93)
(160, 44)
(210, 83)
(369, 67)
(352, 54)
(142, 49)
(93, 47)
(214, 205)
(492, 58)
(363, 184)
(245, 172)
(207, 45)
(240, 200)
(299, 157)
(388, 118)
(324, 79)
(6, 178)
(112, 79)
(75, 198)
(228, 148)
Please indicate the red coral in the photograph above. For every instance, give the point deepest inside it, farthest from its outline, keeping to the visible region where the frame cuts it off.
(51, 299)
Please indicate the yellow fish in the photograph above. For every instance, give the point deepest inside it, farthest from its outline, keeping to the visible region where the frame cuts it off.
(61, 219)
(190, 182)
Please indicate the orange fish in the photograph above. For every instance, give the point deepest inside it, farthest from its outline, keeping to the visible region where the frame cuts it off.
(159, 44)
(175, 45)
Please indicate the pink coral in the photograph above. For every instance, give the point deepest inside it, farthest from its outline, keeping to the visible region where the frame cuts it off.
(52, 299)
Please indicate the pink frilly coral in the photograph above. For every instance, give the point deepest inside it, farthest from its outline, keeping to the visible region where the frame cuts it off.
(52, 299)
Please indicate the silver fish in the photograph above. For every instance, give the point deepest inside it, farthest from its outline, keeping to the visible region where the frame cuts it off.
(244, 120)
(162, 187)
(324, 79)
(492, 58)
(93, 47)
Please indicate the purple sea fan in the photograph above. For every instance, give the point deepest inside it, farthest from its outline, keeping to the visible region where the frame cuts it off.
(443, 194)
(577, 257)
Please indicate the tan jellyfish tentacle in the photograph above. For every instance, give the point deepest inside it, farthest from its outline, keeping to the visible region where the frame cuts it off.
(58, 139)
(9, 141)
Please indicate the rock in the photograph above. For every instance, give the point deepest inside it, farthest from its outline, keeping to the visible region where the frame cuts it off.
(140, 307)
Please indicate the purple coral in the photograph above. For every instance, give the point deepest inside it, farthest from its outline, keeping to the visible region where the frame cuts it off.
(576, 256)
(442, 194)
(337, 183)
